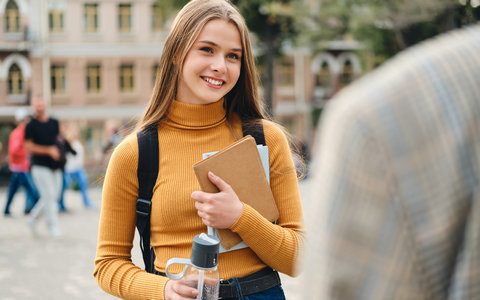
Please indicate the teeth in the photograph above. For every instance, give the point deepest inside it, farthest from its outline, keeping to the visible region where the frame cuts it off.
(212, 81)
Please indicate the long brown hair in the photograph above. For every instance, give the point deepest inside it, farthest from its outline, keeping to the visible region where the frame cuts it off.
(243, 99)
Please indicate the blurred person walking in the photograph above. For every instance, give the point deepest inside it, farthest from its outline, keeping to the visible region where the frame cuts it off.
(65, 149)
(396, 180)
(40, 140)
(74, 168)
(19, 165)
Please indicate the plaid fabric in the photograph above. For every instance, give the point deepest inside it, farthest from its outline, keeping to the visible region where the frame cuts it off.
(395, 207)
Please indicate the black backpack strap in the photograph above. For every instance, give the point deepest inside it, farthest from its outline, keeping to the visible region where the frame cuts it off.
(147, 173)
(255, 129)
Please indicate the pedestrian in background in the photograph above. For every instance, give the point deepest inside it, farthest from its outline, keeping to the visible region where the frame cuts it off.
(65, 149)
(74, 168)
(395, 192)
(19, 165)
(41, 136)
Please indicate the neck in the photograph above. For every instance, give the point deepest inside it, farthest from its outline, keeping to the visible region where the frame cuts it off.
(41, 116)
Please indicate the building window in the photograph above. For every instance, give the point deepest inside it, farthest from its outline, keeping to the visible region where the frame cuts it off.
(157, 16)
(55, 20)
(126, 78)
(286, 73)
(91, 17)
(347, 73)
(15, 80)
(125, 17)
(93, 79)
(58, 81)
(12, 17)
(323, 77)
(154, 73)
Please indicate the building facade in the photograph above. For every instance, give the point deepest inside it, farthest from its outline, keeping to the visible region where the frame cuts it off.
(95, 64)
(305, 80)
(93, 61)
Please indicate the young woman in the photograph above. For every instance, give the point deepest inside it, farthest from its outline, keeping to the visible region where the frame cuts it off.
(205, 88)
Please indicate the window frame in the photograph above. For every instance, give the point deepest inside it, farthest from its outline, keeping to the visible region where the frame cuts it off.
(58, 78)
(12, 17)
(90, 17)
(127, 78)
(56, 20)
(15, 86)
(124, 17)
(287, 73)
(94, 78)
(157, 16)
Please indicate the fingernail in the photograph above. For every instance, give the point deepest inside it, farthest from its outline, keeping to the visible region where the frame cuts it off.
(211, 174)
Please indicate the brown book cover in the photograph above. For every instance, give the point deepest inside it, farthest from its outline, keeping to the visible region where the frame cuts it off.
(240, 166)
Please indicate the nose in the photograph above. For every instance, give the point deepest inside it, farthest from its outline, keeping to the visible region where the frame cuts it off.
(218, 64)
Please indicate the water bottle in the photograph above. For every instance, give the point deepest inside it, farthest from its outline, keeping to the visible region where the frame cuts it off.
(200, 270)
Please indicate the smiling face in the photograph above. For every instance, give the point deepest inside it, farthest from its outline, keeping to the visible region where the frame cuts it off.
(212, 66)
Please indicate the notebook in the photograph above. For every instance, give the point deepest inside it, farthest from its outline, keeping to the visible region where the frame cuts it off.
(241, 167)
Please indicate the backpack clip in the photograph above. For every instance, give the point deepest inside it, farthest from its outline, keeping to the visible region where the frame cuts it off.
(143, 207)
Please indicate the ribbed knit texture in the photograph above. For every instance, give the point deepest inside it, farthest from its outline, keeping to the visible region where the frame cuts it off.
(190, 131)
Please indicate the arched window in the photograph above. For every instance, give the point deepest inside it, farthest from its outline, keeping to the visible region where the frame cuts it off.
(15, 80)
(323, 77)
(12, 17)
(347, 73)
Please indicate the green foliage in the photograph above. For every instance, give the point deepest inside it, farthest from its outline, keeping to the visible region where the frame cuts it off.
(386, 27)
(5, 130)
(273, 21)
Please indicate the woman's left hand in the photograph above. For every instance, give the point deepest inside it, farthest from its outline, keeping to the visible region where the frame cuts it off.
(218, 210)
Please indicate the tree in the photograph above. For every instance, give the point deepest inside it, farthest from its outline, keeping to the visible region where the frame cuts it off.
(389, 26)
(273, 22)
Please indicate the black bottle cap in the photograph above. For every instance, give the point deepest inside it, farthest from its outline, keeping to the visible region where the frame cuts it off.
(205, 251)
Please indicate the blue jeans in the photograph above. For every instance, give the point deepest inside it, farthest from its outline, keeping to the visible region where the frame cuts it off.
(22, 179)
(275, 293)
(80, 177)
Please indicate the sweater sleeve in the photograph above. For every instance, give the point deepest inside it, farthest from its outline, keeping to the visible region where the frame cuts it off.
(114, 269)
(278, 245)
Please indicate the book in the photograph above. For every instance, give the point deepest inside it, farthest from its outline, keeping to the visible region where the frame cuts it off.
(263, 151)
(241, 167)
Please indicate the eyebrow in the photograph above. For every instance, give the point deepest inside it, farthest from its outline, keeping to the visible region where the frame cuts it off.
(214, 44)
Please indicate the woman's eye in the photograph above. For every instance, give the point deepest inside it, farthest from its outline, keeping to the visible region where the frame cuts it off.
(233, 56)
(206, 49)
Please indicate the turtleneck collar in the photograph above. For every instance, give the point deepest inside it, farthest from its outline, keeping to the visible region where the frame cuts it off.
(194, 116)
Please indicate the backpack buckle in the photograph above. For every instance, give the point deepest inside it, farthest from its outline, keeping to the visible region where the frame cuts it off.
(143, 207)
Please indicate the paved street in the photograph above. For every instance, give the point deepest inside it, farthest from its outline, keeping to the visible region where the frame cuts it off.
(44, 268)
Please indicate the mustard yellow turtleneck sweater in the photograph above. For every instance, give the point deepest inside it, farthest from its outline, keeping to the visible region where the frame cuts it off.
(189, 131)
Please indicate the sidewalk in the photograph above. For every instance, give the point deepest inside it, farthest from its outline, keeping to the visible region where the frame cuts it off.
(61, 268)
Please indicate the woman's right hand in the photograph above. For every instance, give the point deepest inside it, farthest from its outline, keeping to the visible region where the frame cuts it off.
(178, 290)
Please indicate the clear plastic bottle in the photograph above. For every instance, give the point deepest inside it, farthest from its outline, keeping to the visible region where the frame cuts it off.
(200, 270)
(205, 280)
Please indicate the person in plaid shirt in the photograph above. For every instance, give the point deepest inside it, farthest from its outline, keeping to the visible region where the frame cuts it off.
(395, 210)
